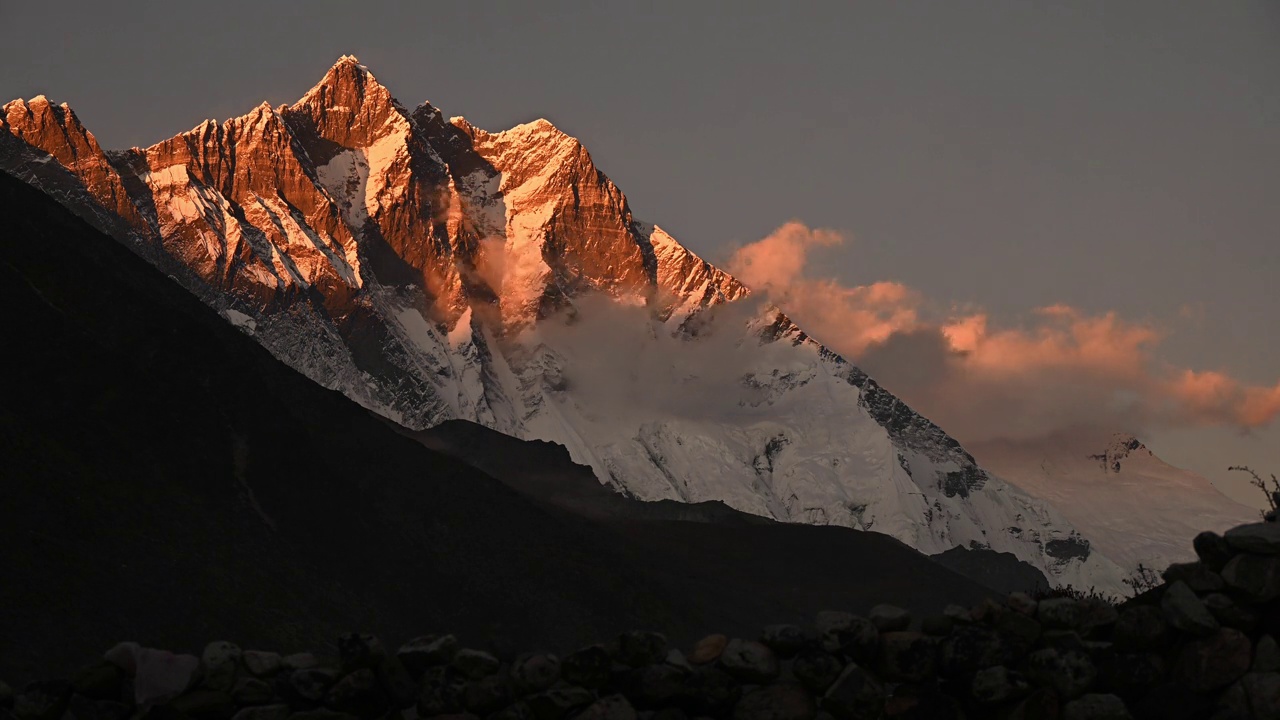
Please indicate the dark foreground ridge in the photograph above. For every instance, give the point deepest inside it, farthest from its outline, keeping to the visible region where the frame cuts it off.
(166, 479)
(1200, 646)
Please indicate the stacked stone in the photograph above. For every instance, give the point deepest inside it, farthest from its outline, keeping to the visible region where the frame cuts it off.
(1203, 645)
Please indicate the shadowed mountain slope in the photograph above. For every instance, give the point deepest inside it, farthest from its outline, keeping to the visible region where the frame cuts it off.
(167, 480)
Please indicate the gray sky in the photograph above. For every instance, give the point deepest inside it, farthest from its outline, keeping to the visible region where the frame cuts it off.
(1009, 155)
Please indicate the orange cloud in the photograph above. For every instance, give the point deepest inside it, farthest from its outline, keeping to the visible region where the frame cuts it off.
(1061, 368)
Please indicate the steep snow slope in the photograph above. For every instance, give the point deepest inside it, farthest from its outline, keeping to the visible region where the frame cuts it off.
(432, 270)
(1133, 507)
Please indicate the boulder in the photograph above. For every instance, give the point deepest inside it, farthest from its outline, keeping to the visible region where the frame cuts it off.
(589, 667)
(103, 680)
(937, 625)
(1258, 538)
(1213, 550)
(749, 661)
(1230, 613)
(474, 664)
(889, 618)
(442, 690)
(1262, 693)
(428, 651)
(656, 686)
(358, 693)
(775, 702)
(1022, 602)
(1139, 628)
(308, 687)
(559, 701)
(1266, 655)
(162, 676)
(534, 672)
(610, 707)
(1060, 613)
(488, 694)
(43, 700)
(299, 661)
(1184, 611)
(252, 691)
(855, 695)
(263, 712)
(708, 649)
(359, 651)
(908, 656)
(204, 703)
(639, 648)
(816, 669)
(261, 664)
(970, 648)
(1196, 575)
(1069, 673)
(1095, 706)
(785, 640)
(997, 684)
(1256, 577)
(1214, 662)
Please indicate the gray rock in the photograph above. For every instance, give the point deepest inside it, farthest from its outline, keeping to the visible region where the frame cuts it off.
(857, 639)
(1018, 632)
(299, 661)
(1069, 673)
(1196, 575)
(1262, 692)
(310, 685)
(889, 618)
(204, 704)
(639, 648)
(1257, 577)
(1130, 671)
(610, 707)
(775, 702)
(535, 672)
(714, 692)
(1230, 613)
(1214, 662)
(855, 695)
(220, 662)
(162, 676)
(1096, 707)
(1139, 628)
(816, 669)
(357, 693)
(1097, 614)
(656, 686)
(487, 695)
(252, 691)
(42, 700)
(958, 613)
(124, 656)
(475, 664)
(1023, 603)
(1184, 611)
(1259, 538)
(261, 664)
(908, 656)
(442, 692)
(429, 651)
(677, 658)
(519, 711)
(749, 661)
(1060, 613)
(1266, 655)
(589, 667)
(970, 648)
(785, 640)
(559, 701)
(708, 649)
(1212, 550)
(997, 684)
(263, 712)
(322, 714)
(829, 620)
(937, 625)
(360, 650)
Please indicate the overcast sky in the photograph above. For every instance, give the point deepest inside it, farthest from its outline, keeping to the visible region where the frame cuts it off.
(992, 156)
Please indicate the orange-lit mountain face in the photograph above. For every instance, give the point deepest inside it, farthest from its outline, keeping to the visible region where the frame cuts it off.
(431, 270)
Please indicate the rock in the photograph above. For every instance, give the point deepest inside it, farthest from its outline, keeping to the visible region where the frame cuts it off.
(970, 648)
(1060, 613)
(162, 676)
(1131, 671)
(111, 710)
(1172, 701)
(1022, 602)
(1184, 611)
(785, 640)
(713, 692)
(855, 695)
(1069, 673)
(559, 701)
(298, 661)
(829, 620)
(101, 681)
(1257, 577)
(639, 648)
(1266, 655)
(261, 664)
(1096, 614)
(1214, 662)
(908, 656)
(220, 662)
(656, 686)
(442, 692)
(1262, 692)
(937, 625)
(1018, 633)
(1040, 704)
(1213, 550)
(958, 613)
(1259, 538)
(429, 651)
(589, 667)
(1096, 707)
(857, 640)
(401, 687)
(515, 711)
(359, 694)
(675, 657)
(263, 712)
(997, 684)
(1230, 613)
(42, 700)
(1196, 575)
(534, 672)
(775, 702)
(323, 714)
(124, 656)
(816, 669)
(708, 649)
(360, 650)
(205, 704)
(610, 707)
(749, 661)
(475, 664)
(889, 618)
(487, 695)
(1139, 628)
(252, 691)
(308, 687)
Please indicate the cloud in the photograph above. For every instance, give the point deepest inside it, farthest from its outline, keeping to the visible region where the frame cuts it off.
(1059, 368)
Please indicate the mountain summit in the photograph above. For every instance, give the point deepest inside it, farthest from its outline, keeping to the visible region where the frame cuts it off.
(431, 270)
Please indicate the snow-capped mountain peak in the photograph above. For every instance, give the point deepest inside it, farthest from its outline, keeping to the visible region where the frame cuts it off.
(433, 270)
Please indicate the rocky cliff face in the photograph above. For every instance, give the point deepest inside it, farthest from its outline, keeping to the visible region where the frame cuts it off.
(432, 270)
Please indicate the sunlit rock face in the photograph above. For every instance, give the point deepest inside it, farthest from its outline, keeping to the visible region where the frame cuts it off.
(431, 270)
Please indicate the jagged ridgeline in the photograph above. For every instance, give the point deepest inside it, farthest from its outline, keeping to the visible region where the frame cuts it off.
(431, 270)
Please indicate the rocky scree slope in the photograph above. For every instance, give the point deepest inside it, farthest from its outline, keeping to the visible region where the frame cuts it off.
(430, 270)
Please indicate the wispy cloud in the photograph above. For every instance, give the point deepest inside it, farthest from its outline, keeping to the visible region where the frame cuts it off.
(1058, 368)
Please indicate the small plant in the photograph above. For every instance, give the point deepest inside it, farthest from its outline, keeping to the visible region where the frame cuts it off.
(1071, 591)
(1142, 580)
(1272, 493)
